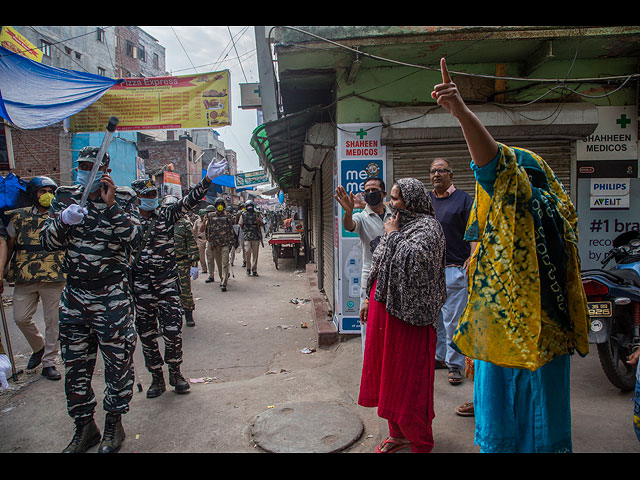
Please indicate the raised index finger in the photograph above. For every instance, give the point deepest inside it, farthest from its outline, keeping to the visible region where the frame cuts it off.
(445, 73)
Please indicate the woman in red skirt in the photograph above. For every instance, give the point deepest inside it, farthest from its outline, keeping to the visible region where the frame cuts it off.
(406, 290)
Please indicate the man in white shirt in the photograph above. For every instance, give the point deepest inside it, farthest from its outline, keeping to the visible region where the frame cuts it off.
(368, 224)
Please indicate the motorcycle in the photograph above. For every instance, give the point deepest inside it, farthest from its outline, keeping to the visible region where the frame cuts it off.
(613, 298)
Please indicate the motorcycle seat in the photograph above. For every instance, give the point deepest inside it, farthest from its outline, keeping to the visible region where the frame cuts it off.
(622, 276)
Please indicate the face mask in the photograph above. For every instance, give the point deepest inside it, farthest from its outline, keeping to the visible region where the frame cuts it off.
(148, 204)
(373, 198)
(45, 199)
(83, 176)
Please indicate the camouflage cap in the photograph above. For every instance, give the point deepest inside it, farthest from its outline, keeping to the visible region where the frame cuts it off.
(89, 154)
(143, 186)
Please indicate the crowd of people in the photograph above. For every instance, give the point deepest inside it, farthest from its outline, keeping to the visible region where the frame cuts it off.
(448, 282)
(110, 272)
(454, 282)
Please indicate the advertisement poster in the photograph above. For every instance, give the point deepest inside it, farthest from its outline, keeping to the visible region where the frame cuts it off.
(360, 156)
(188, 101)
(248, 179)
(608, 187)
(171, 185)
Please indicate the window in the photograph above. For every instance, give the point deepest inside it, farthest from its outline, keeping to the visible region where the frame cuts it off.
(78, 56)
(100, 35)
(130, 49)
(45, 47)
(156, 61)
(67, 50)
(102, 71)
(141, 54)
(4, 153)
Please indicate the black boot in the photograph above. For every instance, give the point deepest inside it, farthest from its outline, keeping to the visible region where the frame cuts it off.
(177, 381)
(188, 315)
(157, 385)
(113, 434)
(86, 436)
(35, 359)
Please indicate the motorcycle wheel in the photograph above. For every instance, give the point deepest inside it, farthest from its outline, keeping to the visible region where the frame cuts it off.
(613, 355)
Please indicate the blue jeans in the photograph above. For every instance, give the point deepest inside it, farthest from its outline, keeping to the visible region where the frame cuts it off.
(457, 295)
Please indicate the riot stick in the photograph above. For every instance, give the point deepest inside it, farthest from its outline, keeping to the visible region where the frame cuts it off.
(8, 341)
(111, 127)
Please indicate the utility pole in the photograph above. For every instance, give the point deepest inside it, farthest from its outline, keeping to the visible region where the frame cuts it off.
(267, 76)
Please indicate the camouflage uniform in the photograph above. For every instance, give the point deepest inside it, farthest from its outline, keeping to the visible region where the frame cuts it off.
(187, 256)
(251, 223)
(38, 276)
(96, 308)
(220, 238)
(156, 286)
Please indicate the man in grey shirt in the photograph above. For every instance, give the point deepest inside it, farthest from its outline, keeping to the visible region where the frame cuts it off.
(368, 224)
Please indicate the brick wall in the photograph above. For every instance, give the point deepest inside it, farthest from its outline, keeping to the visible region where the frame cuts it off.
(42, 152)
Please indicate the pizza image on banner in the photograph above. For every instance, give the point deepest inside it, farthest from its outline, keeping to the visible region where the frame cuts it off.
(151, 103)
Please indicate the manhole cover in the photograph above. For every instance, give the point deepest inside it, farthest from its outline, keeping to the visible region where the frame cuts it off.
(306, 428)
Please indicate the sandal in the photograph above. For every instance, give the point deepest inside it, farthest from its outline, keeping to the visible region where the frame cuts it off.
(465, 410)
(396, 445)
(455, 376)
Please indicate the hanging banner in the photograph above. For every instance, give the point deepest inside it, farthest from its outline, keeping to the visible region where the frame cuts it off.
(12, 40)
(188, 101)
(172, 185)
(251, 178)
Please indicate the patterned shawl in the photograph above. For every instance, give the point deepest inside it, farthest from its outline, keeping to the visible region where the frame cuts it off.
(526, 303)
(409, 264)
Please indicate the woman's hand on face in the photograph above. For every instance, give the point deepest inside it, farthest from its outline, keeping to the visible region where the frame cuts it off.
(392, 225)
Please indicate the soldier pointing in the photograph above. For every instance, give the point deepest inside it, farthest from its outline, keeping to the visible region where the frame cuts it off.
(96, 309)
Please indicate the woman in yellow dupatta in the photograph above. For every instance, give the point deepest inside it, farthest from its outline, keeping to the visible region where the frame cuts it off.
(527, 310)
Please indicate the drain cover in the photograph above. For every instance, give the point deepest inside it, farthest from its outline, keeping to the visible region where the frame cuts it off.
(312, 427)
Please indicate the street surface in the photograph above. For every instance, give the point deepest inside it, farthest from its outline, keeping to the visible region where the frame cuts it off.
(245, 358)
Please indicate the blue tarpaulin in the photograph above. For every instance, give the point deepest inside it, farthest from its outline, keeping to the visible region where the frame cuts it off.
(34, 95)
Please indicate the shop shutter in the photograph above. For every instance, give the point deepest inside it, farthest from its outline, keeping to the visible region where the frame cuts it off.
(328, 229)
(414, 160)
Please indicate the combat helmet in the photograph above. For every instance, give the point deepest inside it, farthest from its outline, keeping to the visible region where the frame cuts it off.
(37, 183)
(89, 154)
(143, 186)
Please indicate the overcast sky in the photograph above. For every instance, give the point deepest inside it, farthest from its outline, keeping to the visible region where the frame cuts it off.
(195, 49)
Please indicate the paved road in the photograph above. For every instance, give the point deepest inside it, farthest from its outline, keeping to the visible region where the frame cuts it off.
(247, 350)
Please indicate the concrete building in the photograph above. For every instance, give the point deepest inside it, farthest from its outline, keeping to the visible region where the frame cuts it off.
(109, 51)
(353, 100)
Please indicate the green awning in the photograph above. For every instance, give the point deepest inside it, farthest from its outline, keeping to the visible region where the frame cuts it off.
(280, 143)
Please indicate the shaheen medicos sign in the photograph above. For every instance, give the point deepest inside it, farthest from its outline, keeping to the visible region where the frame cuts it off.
(151, 103)
(360, 155)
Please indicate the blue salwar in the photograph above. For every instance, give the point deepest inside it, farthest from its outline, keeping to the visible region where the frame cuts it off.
(523, 411)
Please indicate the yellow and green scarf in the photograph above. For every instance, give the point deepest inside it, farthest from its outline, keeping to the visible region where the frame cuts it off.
(526, 301)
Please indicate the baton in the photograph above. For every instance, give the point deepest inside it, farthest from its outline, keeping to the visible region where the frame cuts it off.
(111, 127)
(8, 341)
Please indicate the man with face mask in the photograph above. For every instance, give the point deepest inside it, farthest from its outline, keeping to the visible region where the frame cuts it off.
(218, 227)
(368, 224)
(251, 225)
(37, 275)
(95, 307)
(156, 289)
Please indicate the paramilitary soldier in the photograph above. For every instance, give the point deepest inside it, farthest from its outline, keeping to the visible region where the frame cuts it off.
(251, 225)
(187, 257)
(155, 281)
(220, 238)
(96, 307)
(37, 274)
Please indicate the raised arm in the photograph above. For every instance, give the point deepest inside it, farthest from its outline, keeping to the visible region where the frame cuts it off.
(482, 146)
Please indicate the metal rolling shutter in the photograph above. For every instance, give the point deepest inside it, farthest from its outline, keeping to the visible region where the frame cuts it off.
(414, 160)
(327, 229)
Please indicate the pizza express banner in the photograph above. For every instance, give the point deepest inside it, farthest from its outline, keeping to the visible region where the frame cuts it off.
(188, 101)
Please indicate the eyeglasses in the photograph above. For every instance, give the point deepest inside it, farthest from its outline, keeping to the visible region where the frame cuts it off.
(433, 171)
